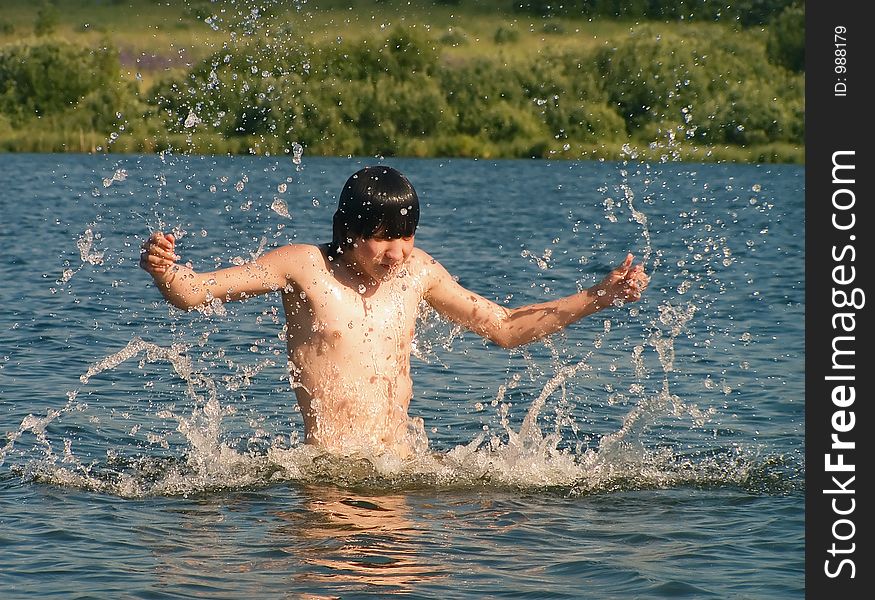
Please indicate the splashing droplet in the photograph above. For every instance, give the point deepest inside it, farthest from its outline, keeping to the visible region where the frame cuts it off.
(85, 243)
(297, 153)
(119, 175)
(191, 120)
(280, 207)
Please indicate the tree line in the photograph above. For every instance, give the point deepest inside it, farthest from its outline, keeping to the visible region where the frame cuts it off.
(710, 87)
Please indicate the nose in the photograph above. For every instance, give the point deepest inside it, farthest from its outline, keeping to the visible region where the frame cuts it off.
(394, 252)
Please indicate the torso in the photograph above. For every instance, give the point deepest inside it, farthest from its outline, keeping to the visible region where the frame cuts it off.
(350, 353)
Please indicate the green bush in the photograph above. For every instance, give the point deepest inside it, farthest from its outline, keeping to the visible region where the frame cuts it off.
(505, 35)
(454, 37)
(393, 96)
(553, 28)
(786, 42)
(714, 86)
(48, 77)
(745, 12)
(585, 121)
(47, 19)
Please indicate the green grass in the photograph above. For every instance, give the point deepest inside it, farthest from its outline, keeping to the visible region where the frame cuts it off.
(160, 39)
(155, 37)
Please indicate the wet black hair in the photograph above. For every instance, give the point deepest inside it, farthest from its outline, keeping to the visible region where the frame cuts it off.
(376, 201)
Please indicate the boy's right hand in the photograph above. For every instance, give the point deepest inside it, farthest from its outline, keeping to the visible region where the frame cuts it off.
(158, 255)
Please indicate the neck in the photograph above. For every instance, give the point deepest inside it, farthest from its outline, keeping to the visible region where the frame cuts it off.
(351, 270)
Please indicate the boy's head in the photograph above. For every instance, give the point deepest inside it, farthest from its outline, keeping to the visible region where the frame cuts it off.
(376, 202)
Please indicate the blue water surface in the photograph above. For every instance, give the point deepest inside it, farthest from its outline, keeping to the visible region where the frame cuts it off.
(653, 450)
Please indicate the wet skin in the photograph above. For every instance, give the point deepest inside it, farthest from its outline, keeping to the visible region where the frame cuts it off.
(350, 323)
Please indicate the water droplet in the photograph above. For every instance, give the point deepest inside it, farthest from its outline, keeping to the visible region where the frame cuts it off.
(280, 207)
(362, 290)
(191, 120)
(297, 153)
(281, 188)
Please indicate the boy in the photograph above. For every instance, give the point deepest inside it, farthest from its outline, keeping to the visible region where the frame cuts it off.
(351, 309)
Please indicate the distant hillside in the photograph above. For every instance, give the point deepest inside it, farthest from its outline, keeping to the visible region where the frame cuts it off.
(443, 78)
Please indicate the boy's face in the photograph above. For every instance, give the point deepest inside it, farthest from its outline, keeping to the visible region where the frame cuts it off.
(380, 257)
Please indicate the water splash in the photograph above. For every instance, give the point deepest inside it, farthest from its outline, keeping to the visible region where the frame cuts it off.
(525, 459)
(297, 154)
(87, 254)
(118, 176)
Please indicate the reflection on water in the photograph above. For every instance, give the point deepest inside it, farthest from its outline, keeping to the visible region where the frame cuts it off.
(357, 538)
(328, 535)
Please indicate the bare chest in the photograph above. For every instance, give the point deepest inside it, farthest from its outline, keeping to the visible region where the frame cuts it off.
(327, 312)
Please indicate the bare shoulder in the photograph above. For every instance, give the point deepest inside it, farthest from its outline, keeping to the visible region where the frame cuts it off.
(421, 261)
(294, 260)
(426, 267)
(295, 251)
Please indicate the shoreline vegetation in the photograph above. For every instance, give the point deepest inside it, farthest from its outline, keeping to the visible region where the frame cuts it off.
(597, 79)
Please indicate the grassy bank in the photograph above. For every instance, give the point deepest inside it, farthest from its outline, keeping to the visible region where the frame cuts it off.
(393, 78)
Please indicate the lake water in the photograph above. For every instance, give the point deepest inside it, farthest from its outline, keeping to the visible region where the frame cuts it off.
(654, 450)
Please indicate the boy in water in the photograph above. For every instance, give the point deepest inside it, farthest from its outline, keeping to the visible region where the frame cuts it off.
(351, 309)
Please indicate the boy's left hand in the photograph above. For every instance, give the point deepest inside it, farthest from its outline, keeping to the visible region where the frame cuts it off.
(626, 283)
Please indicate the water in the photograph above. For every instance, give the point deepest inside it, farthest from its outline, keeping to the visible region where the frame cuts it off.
(650, 451)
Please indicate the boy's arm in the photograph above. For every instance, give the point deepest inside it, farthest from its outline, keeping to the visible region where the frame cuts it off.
(184, 288)
(514, 327)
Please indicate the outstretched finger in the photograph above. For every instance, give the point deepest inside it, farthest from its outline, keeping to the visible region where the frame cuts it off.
(165, 241)
(623, 269)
